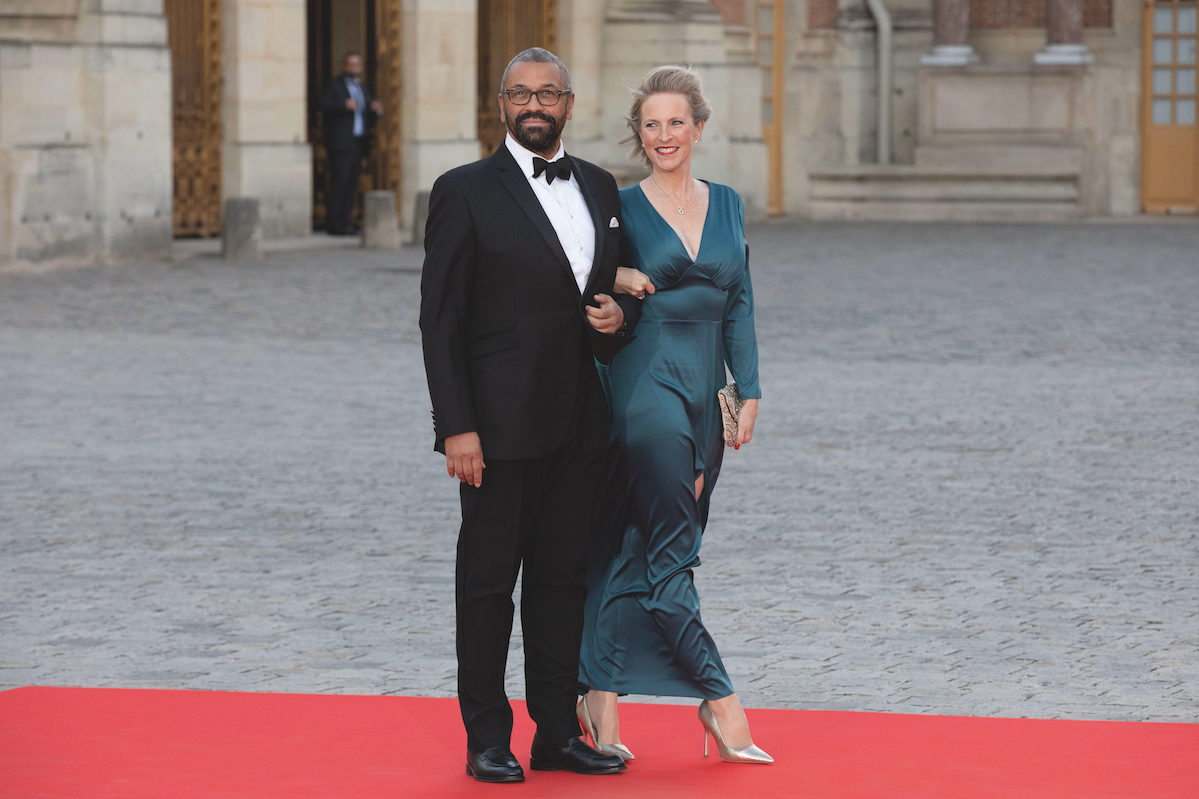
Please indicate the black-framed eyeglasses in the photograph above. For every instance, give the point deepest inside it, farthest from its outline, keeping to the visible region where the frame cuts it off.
(546, 97)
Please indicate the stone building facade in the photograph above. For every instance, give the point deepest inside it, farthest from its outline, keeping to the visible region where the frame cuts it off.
(85, 129)
(998, 109)
(126, 122)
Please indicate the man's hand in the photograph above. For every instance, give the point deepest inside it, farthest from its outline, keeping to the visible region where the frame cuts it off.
(376, 107)
(352, 104)
(608, 317)
(464, 458)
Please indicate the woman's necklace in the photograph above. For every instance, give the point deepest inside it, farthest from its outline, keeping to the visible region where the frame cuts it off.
(682, 209)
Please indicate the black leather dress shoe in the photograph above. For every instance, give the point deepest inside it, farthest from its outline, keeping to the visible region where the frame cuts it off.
(496, 764)
(571, 754)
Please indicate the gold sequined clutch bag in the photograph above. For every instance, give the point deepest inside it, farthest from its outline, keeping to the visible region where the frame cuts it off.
(730, 411)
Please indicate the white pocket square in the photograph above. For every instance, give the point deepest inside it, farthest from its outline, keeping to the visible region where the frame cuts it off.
(613, 223)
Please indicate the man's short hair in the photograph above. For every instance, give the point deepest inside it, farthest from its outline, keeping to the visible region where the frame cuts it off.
(536, 55)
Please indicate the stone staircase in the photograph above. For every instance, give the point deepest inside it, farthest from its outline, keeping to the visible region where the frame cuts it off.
(977, 183)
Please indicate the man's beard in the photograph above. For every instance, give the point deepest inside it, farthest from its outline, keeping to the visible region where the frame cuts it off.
(536, 140)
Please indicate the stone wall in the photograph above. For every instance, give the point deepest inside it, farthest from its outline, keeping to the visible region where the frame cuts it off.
(615, 49)
(1108, 107)
(439, 117)
(831, 101)
(85, 130)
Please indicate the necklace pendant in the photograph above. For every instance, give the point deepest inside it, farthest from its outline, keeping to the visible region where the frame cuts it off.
(680, 211)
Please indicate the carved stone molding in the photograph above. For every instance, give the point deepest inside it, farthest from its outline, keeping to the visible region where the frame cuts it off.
(951, 28)
(1065, 35)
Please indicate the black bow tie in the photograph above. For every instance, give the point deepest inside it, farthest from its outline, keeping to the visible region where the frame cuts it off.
(552, 169)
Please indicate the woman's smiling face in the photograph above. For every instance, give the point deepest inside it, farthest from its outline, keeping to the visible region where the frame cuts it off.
(668, 130)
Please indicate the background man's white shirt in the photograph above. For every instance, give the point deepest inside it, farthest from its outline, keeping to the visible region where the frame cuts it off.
(564, 204)
(355, 90)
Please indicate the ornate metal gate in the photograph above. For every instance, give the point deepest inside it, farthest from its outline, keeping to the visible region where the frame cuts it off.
(194, 34)
(505, 28)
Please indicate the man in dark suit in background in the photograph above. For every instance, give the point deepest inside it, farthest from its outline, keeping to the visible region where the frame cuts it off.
(349, 111)
(521, 251)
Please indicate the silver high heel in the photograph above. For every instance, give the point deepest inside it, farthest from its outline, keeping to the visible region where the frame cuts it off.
(746, 754)
(620, 750)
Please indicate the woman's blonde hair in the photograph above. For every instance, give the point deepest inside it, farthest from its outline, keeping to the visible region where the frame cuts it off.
(668, 79)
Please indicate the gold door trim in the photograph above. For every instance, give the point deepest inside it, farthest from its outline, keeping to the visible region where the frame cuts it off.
(386, 152)
(1169, 133)
(770, 52)
(506, 27)
(194, 35)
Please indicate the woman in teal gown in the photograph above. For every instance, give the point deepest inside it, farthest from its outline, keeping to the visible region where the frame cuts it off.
(643, 633)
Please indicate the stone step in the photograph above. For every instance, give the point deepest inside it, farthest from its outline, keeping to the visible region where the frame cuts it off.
(1021, 158)
(922, 211)
(981, 192)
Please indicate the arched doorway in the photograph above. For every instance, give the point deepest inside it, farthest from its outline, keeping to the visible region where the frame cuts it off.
(372, 28)
(194, 35)
(505, 28)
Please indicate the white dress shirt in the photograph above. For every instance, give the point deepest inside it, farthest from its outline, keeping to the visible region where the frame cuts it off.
(355, 90)
(563, 203)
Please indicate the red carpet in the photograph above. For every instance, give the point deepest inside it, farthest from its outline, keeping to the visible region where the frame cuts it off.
(135, 744)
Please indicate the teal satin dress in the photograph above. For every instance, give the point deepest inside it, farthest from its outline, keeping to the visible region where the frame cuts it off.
(643, 633)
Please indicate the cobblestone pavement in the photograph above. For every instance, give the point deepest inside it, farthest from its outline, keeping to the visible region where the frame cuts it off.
(973, 489)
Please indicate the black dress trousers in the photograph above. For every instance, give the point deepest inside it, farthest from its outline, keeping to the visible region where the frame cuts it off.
(345, 166)
(539, 512)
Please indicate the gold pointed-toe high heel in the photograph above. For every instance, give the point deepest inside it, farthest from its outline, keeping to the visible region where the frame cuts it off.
(746, 754)
(618, 749)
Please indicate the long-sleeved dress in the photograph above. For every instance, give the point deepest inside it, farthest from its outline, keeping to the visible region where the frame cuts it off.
(643, 633)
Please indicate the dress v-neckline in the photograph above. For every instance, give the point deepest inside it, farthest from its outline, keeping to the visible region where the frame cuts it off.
(703, 233)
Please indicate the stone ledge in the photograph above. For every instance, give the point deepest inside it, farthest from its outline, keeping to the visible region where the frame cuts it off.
(958, 211)
(904, 172)
(40, 8)
(1024, 159)
(948, 191)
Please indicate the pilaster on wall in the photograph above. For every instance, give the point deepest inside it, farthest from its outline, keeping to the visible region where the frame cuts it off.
(637, 35)
(740, 121)
(580, 46)
(264, 152)
(641, 34)
(85, 130)
(1112, 91)
(439, 123)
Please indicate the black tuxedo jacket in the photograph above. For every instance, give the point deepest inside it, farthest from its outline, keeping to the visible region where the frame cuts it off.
(502, 320)
(339, 120)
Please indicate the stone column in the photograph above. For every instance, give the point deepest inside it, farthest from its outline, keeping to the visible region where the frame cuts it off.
(264, 110)
(581, 47)
(1065, 35)
(951, 27)
(439, 57)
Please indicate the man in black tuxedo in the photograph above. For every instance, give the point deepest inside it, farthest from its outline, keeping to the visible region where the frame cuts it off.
(521, 251)
(349, 112)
